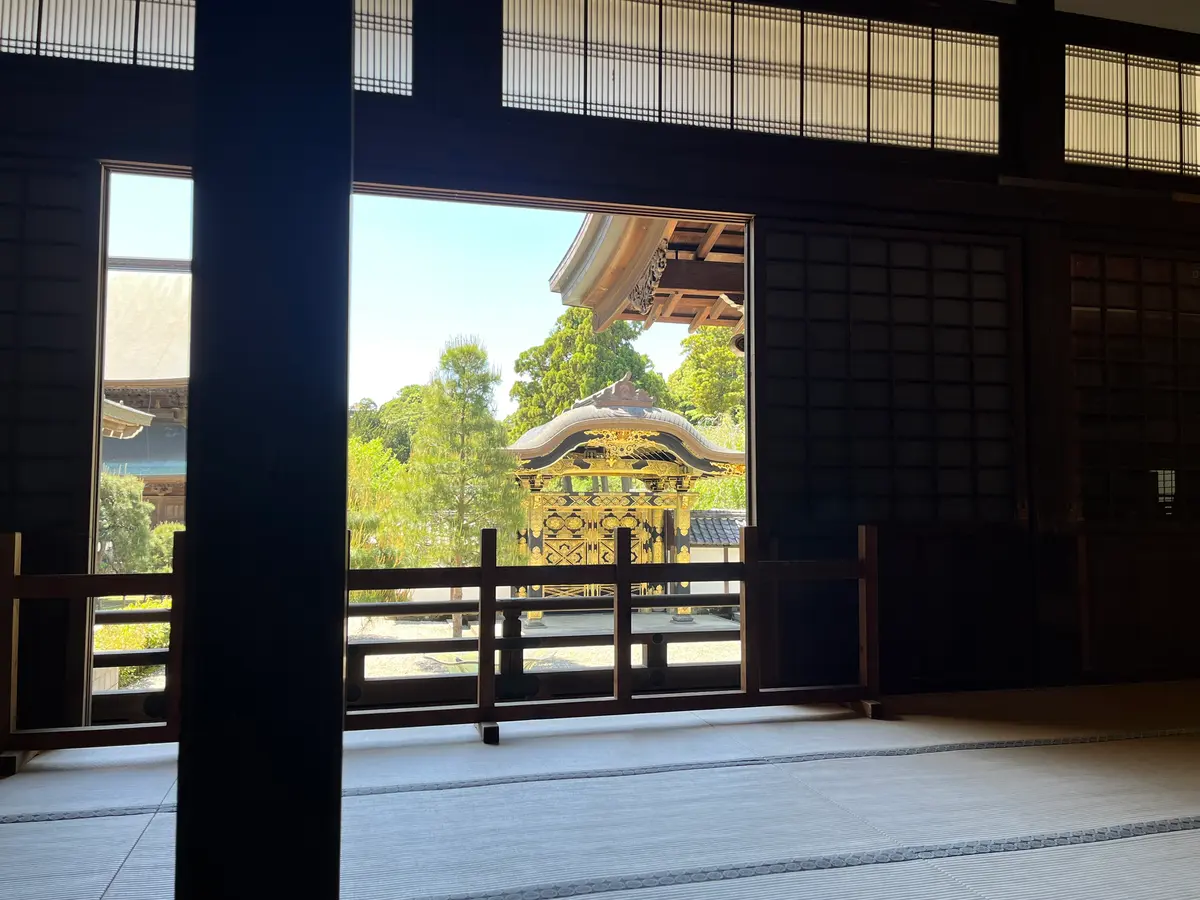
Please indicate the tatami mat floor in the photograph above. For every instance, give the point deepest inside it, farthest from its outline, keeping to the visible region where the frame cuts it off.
(1090, 793)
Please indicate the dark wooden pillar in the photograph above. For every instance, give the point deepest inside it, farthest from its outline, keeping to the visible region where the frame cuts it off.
(1032, 88)
(266, 586)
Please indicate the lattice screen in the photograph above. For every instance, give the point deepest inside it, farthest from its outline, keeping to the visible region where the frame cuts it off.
(383, 35)
(1136, 356)
(161, 33)
(759, 68)
(141, 32)
(889, 386)
(1132, 111)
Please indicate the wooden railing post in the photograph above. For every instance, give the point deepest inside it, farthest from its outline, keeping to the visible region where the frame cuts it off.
(750, 613)
(10, 568)
(175, 635)
(623, 617)
(868, 610)
(1083, 589)
(488, 729)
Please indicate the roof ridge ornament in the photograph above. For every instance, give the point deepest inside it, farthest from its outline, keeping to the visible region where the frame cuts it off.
(620, 393)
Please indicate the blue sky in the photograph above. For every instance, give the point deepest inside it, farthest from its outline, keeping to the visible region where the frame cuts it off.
(421, 272)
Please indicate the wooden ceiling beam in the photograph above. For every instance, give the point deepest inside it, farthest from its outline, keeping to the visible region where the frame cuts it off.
(669, 310)
(655, 310)
(682, 275)
(713, 256)
(701, 317)
(710, 239)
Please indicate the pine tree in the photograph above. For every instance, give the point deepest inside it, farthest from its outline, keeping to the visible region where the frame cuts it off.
(459, 478)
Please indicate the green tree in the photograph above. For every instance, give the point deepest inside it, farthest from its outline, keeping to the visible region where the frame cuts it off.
(394, 423)
(726, 491)
(162, 545)
(374, 512)
(123, 526)
(460, 477)
(711, 381)
(574, 362)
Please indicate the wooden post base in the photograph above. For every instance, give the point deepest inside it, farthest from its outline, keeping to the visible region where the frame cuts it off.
(489, 732)
(870, 709)
(13, 761)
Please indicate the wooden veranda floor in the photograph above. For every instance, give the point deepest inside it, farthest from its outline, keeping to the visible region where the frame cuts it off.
(1089, 793)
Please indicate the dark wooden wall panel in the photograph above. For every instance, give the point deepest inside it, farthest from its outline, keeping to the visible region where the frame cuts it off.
(956, 608)
(889, 384)
(1140, 605)
(49, 313)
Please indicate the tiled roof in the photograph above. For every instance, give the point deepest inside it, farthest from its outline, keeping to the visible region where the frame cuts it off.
(147, 326)
(716, 527)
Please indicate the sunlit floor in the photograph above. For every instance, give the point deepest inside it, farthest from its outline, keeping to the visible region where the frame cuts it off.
(1089, 793)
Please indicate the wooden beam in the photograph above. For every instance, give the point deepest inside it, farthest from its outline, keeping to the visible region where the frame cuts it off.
(701, 317)
(671, 304)
(710, 239)
(655, 311)
(682, 275)
(714, 256)
(669, 231)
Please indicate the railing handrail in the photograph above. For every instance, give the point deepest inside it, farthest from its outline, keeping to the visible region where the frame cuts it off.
(492, 705)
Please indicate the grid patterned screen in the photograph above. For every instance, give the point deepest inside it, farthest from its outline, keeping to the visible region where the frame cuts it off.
(759, 68)
(383, 33)
(141, 32)
(888, 376)
(1136, 354)
(1132, 111)
(160, 33)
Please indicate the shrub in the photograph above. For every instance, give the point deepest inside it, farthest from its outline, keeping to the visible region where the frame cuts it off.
(134, 636)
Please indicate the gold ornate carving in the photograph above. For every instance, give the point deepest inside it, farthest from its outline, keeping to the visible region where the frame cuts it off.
(535, 556)
(658, 550)
(683, 555)
(620, 444)
(536, 503)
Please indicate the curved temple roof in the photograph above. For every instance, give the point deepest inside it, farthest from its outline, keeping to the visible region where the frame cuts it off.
(622, 407)
(649, 269)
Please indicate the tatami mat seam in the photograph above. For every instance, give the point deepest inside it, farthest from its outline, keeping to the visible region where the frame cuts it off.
(128, 854)
(668, 768)
(618, 883)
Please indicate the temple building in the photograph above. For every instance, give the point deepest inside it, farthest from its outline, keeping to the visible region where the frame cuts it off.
(147, 330)
(614, 460)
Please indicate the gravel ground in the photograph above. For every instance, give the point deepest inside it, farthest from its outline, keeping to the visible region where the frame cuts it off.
(409, 665)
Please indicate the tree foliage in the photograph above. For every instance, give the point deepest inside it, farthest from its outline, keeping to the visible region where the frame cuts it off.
(727, 491)
(375, 513)
(162, 545)
(123, 531)
(573, 362)
(394, 423)
(460, 477)
(711, 381)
